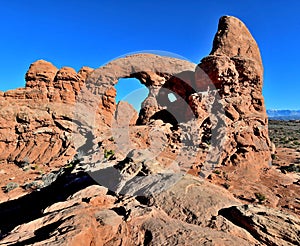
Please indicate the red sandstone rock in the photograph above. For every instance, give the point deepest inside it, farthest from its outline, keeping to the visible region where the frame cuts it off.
(40, 74)
(222, 115)
(233, 39)
(79, 221)
(36, 122)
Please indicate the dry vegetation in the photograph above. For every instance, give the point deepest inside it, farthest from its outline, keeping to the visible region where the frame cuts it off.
(285, 134)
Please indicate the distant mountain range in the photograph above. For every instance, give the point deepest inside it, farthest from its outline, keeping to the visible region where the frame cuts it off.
(283, 114)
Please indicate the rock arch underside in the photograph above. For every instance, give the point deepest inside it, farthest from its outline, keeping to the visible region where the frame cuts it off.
(217, 119)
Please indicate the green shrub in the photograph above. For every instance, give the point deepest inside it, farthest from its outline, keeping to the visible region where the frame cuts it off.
(217, 172)
(291, 168)
(34, 185)
(109, 154)
(273, 156)
(226, 185)
(260, 197)
(35, 167)
(10, 186)
(24, 163)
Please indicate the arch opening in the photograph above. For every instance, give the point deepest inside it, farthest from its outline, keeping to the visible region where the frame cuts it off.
(131, 90)
(165, 116)
(172, 97)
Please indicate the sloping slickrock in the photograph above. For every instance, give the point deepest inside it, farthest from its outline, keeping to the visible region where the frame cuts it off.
(270, 226)
(92, 217)
(207, 200)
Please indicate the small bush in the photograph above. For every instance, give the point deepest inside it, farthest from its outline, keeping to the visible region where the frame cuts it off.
(34, 185)
(35, 167)
(273, 156)
(225, 175)
(291, 168)
(24, 163)
(109, 154)
(49, 178)
(260, 197)
(69, 165)
(226, 185)
(10, 186)
(79, 156)
(26, 160)
(217, 172)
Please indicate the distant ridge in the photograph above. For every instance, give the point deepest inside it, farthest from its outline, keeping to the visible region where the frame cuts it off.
(283, 114)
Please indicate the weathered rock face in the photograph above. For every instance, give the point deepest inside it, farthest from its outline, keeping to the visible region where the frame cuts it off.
(55, 85)
(192, 212)
(40, 74)
(234, 109)
(223, 94)
(152, 71)
(202, 116)
(125, 115)
(36, 122)
(235, 69)
(233, 39)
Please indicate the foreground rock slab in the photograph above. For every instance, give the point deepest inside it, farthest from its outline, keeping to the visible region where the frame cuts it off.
(268, 225)
(93, 217)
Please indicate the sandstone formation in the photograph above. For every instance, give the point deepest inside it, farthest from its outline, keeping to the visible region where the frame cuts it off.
(93, 217)
(133, 179)
(36, 122)
(231, 115)
(267, 225)
(235, 68)
(151, 70)
(231, 32)
(223, 95)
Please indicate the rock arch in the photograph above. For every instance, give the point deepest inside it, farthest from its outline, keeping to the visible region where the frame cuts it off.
(151, 70)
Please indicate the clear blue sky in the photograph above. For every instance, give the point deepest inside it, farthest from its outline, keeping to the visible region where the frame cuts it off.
(76, 33)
